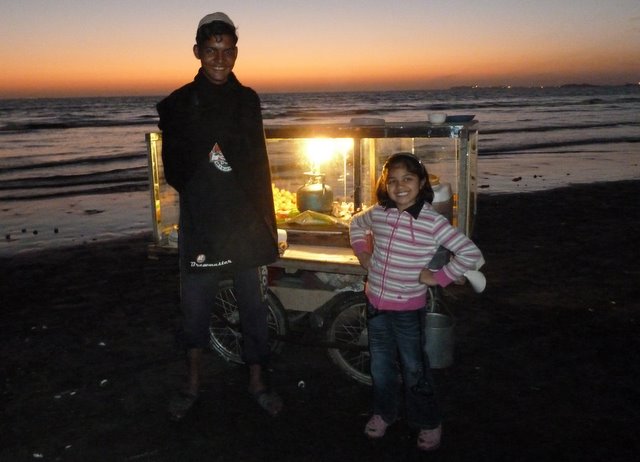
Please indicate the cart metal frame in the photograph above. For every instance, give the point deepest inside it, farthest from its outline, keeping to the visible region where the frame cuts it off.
(336, 317)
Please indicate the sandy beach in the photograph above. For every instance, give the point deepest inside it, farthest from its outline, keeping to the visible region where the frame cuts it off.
(545, 363)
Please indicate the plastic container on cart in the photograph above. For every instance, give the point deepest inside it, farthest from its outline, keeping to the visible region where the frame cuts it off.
(443, 199)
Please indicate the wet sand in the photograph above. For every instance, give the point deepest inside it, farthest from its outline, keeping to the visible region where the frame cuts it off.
(545, 364)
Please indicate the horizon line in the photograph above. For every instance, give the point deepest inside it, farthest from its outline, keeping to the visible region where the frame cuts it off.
(454, 87)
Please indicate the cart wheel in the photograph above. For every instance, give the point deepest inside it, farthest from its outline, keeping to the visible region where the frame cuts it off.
(349, 327)
(225, 330)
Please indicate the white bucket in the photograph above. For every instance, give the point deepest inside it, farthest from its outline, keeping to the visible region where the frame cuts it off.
(439, 339)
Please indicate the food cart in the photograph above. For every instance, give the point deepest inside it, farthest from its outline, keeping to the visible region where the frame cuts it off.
(323, 174)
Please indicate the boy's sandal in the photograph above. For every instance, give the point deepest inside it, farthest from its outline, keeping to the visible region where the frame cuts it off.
(269, 401)
(181, 404)
(429, 439)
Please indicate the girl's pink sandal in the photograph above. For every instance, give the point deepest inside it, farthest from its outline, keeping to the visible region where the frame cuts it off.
(375, 427)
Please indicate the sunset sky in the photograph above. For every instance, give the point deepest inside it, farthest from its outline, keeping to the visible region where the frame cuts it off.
(143, 47)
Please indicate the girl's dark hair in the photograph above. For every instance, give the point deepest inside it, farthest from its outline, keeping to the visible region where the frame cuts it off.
(413, 165)
(207, 31)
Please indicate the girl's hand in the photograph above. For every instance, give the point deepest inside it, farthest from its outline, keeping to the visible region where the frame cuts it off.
(364, 258)
(426, 277)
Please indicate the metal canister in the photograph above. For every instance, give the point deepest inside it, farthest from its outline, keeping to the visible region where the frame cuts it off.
(315, 195)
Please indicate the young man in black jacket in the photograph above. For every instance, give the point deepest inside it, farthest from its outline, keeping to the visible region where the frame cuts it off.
(214, 154)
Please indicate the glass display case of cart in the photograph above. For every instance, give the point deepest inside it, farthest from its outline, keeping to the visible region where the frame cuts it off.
(323, 174)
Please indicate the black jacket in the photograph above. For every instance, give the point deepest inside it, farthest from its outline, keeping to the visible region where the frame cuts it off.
(227, 218)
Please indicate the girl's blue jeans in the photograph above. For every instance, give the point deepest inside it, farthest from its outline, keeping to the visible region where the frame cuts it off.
(400, 364)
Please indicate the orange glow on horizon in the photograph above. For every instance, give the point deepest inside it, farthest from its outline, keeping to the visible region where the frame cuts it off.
(532, 71)
(434, 70)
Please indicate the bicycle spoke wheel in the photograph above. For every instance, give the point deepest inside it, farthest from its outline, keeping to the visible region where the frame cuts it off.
(225, 329)
(349, 328)
(225, 334)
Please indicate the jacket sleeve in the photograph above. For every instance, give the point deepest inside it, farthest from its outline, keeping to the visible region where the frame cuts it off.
(360, 231)
(256, 178)
(262, 171)
(175, 161)
(466, 255)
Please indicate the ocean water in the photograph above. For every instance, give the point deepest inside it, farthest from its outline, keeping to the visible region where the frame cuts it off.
(75, 170)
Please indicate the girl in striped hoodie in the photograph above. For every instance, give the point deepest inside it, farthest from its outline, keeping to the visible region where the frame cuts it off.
(394, 241)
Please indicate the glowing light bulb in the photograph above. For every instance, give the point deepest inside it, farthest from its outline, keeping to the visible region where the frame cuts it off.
(320, 151)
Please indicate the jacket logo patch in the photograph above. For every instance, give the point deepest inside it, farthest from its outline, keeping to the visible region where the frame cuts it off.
(201, 263)
(216, 157)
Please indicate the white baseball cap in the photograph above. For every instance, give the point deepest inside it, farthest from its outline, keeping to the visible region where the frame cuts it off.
(216, 17)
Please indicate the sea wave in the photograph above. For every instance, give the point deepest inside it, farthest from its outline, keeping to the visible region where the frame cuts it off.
(107, 189)
(62, 114)
(13, 164)
(53, 125)
(111, 176)
(556, 146)
(559, 127)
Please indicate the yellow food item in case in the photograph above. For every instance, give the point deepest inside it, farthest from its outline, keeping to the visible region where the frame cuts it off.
(284, 202)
